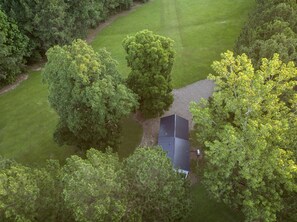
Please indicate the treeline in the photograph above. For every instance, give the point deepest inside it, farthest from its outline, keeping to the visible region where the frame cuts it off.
(28, 28)
(100, 187)
(271, 28)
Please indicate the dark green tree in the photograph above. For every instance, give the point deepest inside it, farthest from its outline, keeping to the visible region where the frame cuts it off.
(46, 23)
(88, 94)
(271, 28)
(13, 48)
(150, 58)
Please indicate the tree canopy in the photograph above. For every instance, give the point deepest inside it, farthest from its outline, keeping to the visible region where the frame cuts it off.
(88, 94)
(271, 28)
(150, 178)
(13, 48)
(249, 132)
(92, 187)
(150, 58)
(98, 187)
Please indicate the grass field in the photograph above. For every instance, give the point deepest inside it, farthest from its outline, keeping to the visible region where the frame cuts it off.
(201, 29)
(27, 123)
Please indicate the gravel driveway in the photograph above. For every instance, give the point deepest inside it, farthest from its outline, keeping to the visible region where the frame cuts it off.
(180, 106)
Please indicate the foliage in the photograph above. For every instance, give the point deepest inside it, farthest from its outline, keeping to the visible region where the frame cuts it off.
(43, 22)
(249, 134)
(92, 187)
(88, 93)
(84, 14)
(155, 191)
(50, 203)
(57, 22)
(270, 29)
(18, 192)
(150, 58)
(98, 187)
(12, 50)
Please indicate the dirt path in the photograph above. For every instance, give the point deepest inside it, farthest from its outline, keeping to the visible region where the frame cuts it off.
(182, 98)
(92, 33)
(12, 86)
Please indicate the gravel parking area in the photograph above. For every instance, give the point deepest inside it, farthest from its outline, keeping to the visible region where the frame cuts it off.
(180, 106)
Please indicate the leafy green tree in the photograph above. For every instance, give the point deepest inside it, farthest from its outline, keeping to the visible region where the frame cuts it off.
(88, 93)
(155, 192)
(46, 23)
(18, 192)
(93, 189)
(50, 203)
(271, 28)
(150, 58)
(84, 14)
(51, 24)
(13, 48)
(248, 132)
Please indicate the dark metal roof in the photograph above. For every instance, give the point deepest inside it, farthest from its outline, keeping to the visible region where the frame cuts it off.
(174, 126)
(173, 138)
(167, 126)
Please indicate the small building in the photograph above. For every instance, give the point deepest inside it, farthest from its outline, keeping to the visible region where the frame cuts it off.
(174, 139)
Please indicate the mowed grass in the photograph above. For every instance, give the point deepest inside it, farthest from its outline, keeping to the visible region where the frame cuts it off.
(208, 210)
(201, 29)
(27, 124)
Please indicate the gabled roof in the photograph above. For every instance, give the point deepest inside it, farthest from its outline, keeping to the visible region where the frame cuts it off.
(174, 126)
(173, 138)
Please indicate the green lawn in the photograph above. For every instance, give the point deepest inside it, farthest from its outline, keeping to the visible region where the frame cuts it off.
(27, 123)
(202, 29)
(206, 209)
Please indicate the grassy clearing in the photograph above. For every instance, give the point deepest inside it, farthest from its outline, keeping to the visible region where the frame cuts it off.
(201, 29)
(208, 210)
(27, 123)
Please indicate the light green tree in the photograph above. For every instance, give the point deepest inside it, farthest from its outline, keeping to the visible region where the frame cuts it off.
(249, 135)
(18, 192)
(155, 192)
(93, 189)
(88, 94)
(150, 58)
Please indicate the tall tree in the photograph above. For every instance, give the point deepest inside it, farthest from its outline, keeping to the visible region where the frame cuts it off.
(13, 48)
(155, 192)
(150, 58)
(249, 134)
(92, 187)
(88, 94)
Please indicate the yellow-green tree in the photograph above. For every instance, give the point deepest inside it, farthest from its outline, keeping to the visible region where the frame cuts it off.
(249, 134)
